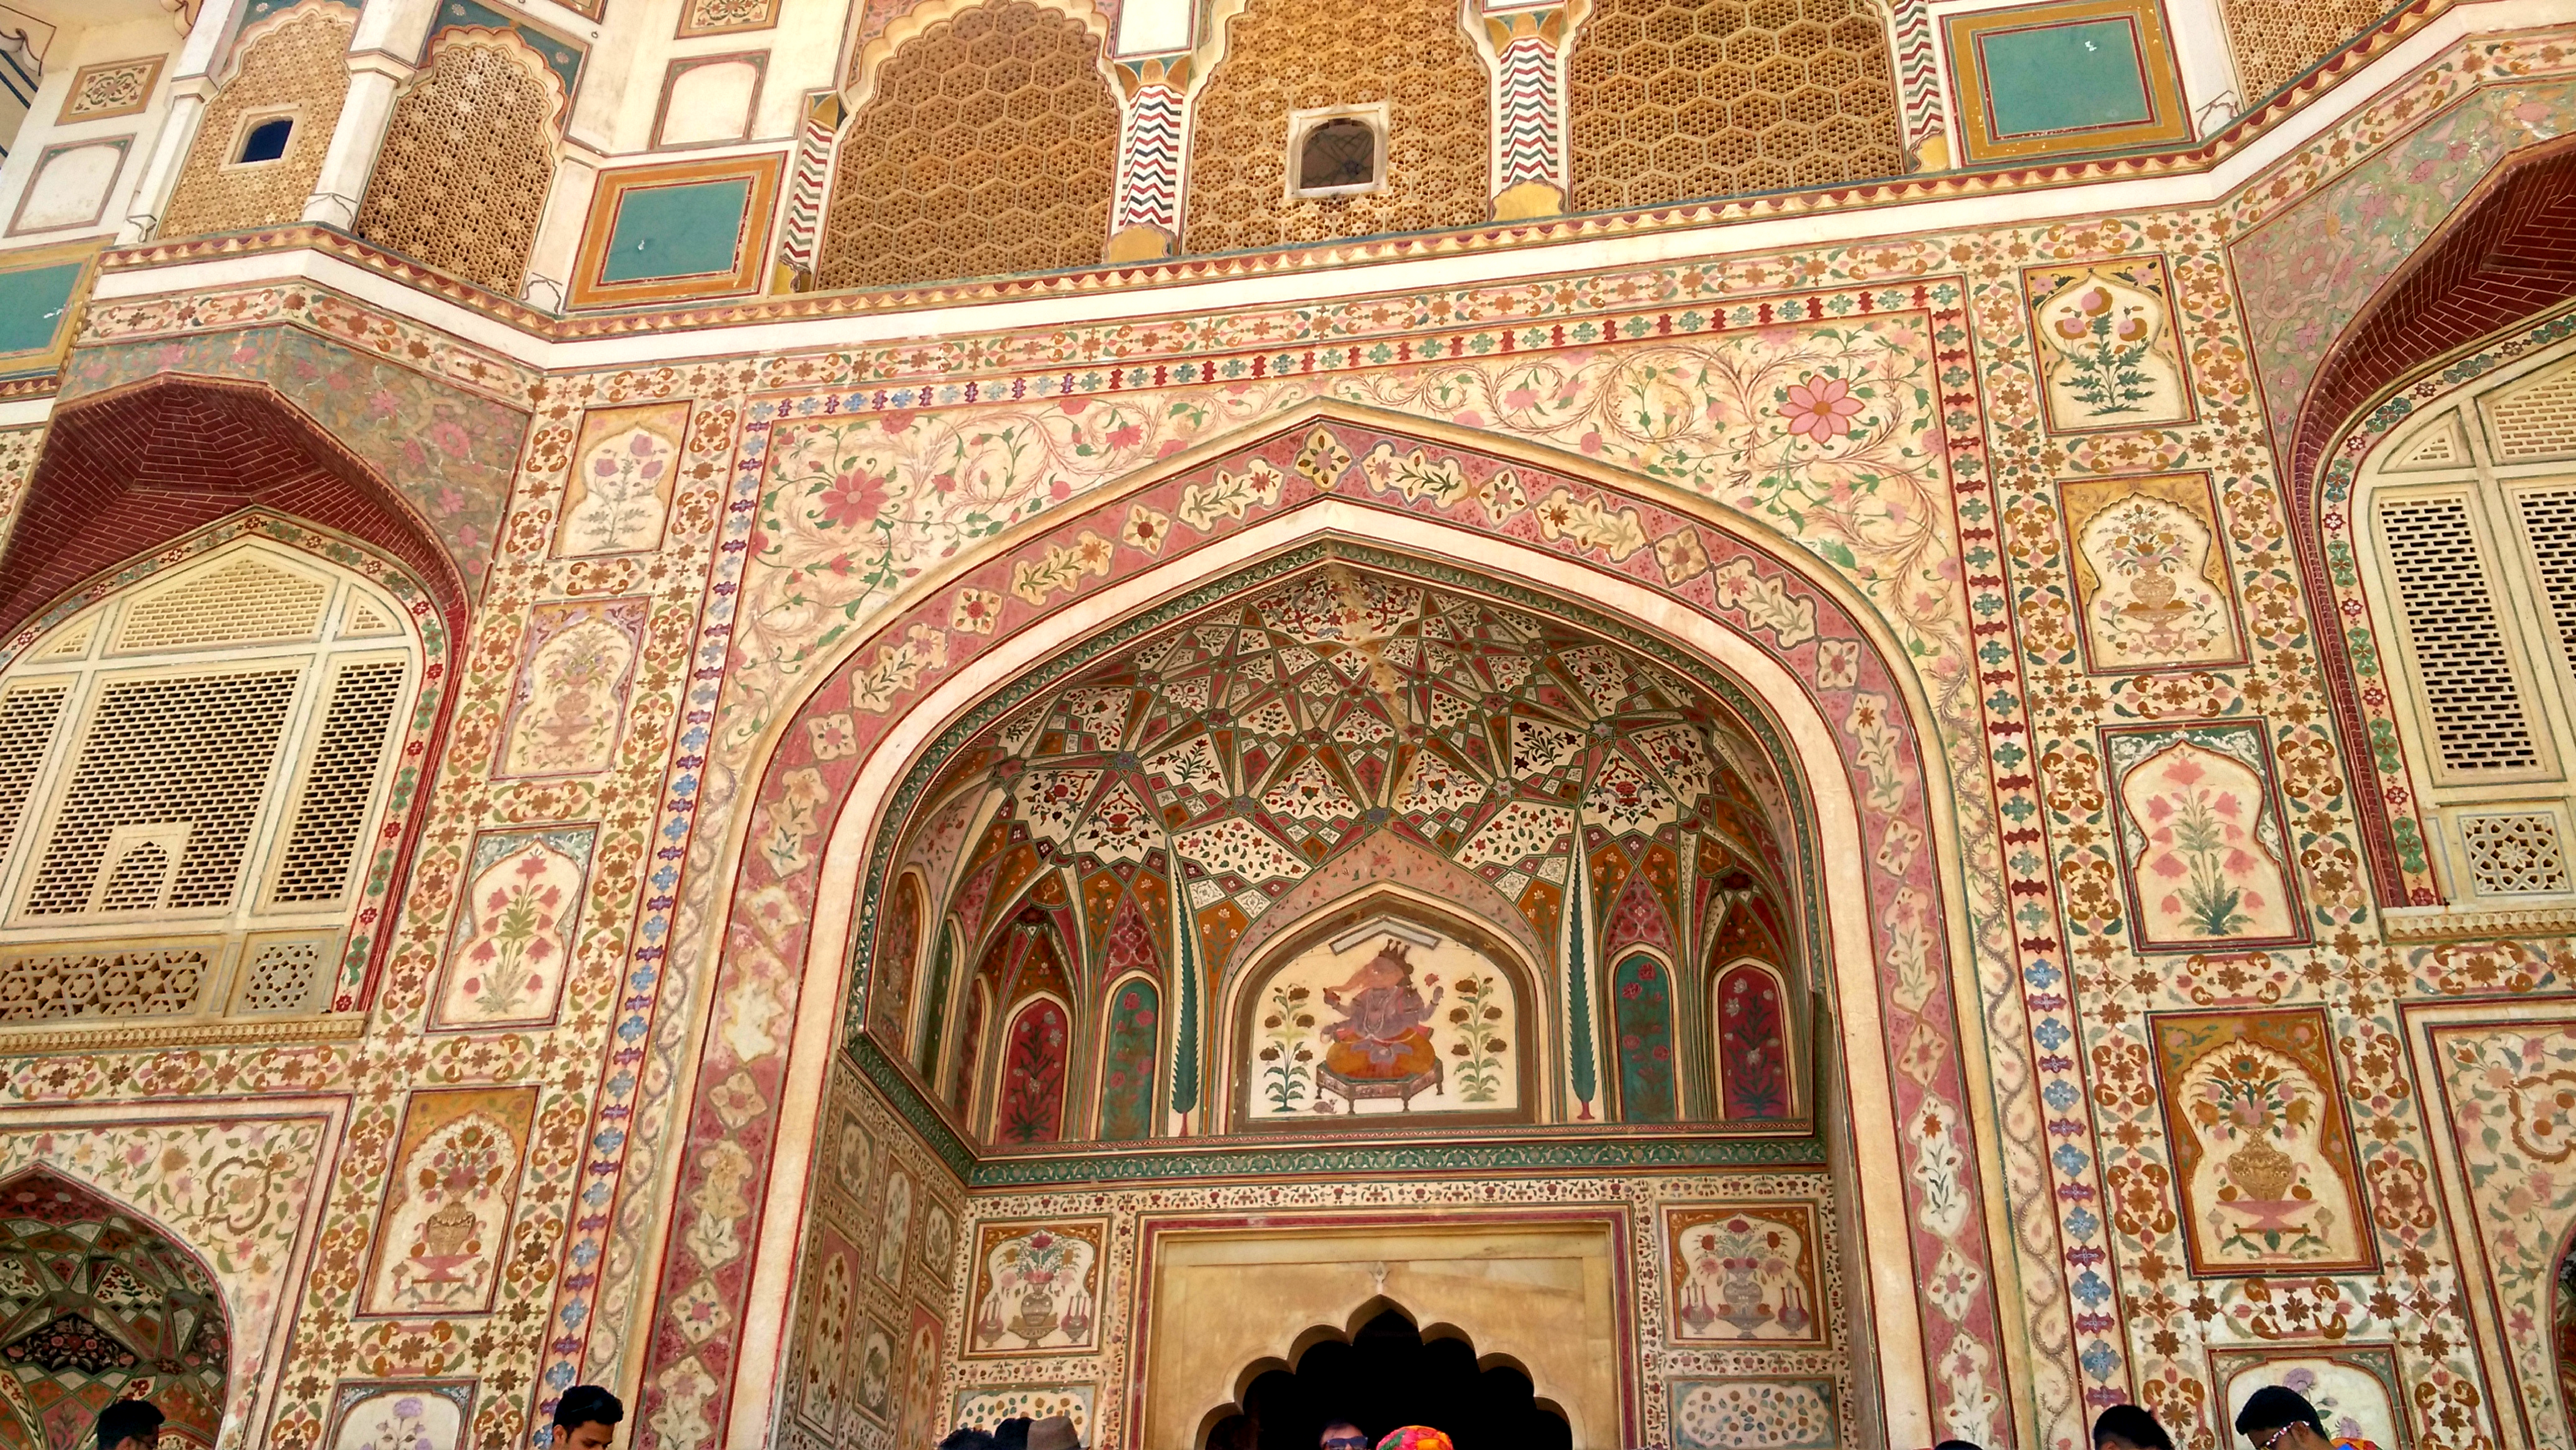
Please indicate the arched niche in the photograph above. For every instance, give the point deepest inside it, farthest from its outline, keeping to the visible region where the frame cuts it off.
(98, 1303)
(1385, 1005)
(1380, 1371)
(1827, 695)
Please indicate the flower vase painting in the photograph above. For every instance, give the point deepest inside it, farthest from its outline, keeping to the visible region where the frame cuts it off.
(1744, 1272)
(1391, 1018)
(423, 1415)
(2107, 346)
(2150, 574)
(2263, 1155)
(2208, 861)
(1037, 1289)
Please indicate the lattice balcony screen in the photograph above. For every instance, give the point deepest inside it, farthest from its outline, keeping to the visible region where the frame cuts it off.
(202, 755)
(2463, 665)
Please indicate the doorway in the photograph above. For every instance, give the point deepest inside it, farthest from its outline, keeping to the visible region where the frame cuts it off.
(1386, 1377)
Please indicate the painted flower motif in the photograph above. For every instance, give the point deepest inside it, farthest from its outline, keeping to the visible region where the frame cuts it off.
(853, 500)
(1820, 408)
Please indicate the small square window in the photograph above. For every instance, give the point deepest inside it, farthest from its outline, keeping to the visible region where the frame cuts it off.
(262, 138)
(1339, 151)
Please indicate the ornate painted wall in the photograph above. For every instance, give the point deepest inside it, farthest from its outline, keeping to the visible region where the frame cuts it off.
(2170, 1102)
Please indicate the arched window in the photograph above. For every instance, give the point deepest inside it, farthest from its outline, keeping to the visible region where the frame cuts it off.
(2471, 535)
(188, 772)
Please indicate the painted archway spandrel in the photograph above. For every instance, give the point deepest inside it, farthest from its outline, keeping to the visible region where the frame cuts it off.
(1332, 458)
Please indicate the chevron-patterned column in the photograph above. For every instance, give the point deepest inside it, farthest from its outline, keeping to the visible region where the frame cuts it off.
(1529, 112)
(1918, 84)
(802, 230)
(1146, 222)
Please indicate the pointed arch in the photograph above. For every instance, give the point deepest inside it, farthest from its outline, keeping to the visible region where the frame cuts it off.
(1029, 1098)
(1854, 894)
(1641, 1029)
(1131, 1035)
(1750, 1029)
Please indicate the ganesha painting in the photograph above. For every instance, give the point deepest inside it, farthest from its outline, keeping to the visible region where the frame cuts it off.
(1394, 1017)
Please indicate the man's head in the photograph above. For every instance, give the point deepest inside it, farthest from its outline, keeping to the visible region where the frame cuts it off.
(586, 1418)
(967, 1437)
(2126, 1427)
(2281, 1419)
(1958, 1445)
(129, 1425)
(1343, 1435)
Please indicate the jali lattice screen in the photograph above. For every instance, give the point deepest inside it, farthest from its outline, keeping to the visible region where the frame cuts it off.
(295, 63)
(1672, 100)
(1283, 56)
(462, 178)
(989, 148)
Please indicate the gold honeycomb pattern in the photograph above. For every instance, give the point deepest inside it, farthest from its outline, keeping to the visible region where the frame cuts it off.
(1294, 55)
(990, 147)
(1672, 100)
(467, 160)
(2276, 39)
(298, 61)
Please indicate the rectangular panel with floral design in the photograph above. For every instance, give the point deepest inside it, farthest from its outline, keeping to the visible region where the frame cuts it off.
(2203, 847)
(1036, 1288)
(446, 1221)
(624, 466)
(519, 928)
(2263, 1152)
(1751, 1412)
(2149, 564)
(2107, 354)
(2354, 1387)
(1744, 1273)
(577, 663)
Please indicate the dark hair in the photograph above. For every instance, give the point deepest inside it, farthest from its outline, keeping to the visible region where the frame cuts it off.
(128, 1419)
(2272, 1407)
(587, 1405)
(1958, 1445)
(1013, 1433)
(2133, 1425)
(967, 1437)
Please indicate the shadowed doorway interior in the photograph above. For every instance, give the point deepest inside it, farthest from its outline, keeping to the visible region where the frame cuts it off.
(1387, 1377)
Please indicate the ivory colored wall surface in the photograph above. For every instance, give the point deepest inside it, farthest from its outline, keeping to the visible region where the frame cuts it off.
(2177, 1116)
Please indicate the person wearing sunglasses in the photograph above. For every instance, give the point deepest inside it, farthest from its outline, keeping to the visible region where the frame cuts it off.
(2275, 1418)
(1343, 1435)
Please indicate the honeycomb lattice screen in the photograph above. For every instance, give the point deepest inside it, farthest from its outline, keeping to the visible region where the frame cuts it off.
(1283, 56)
(339, 784)
(2276, 40)
(185, 759)
(2549, 525)
(462, 178)
(2537, 420)
(298, 61)
(989, 147)
(2463, 667)
(1674, 100)
(244, 601)
(28, 716)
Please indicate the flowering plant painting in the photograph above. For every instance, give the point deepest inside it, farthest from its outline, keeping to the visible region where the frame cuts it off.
(2203, 849)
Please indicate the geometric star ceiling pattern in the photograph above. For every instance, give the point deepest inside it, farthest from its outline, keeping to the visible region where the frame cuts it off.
(1257, 744)
(94, 1306)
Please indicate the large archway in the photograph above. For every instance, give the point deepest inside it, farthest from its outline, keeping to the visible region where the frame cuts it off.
(830, 817)
(1387, 1373)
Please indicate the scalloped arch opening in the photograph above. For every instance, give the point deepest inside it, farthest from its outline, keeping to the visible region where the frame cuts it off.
(1383, 1372)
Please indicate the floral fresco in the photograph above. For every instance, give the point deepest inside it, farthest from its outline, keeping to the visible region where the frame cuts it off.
(2109, 329)
(619, 490)
(518, 928)
(2263, 1154)
(1037, 1289)
(1744, 1272)
(2150, 573)
(447, 1210)
(2206, 855)
(2355, 1388)
(429, 1415)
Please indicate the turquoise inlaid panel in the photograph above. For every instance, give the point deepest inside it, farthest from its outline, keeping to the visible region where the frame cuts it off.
(2063, 77)
(32, 302)
(676, 231)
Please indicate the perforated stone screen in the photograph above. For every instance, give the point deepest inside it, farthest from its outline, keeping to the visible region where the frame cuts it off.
(1284, 56)
(990, 147)
(298, 62)
(462, 178)
(2277, 39)
(1671, 100)
(2472, 699)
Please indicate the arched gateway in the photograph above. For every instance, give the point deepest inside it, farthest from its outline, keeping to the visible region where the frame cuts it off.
(1358, 868)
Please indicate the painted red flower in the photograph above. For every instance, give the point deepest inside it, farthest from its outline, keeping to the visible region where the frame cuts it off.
(1821, 408)
(853, 500)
